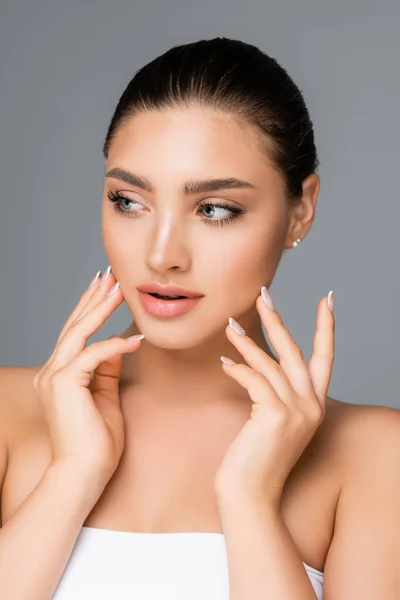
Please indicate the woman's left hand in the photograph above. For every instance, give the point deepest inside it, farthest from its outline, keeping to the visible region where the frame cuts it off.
(288, 405)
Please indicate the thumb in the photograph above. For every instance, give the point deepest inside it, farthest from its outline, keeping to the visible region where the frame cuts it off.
(105, 378)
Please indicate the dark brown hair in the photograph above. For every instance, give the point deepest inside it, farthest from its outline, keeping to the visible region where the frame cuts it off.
(238, 79)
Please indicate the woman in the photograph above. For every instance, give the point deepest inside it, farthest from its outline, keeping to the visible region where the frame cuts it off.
(148, 465)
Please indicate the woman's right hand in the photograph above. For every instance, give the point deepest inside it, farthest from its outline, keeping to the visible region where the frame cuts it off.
(86, 426)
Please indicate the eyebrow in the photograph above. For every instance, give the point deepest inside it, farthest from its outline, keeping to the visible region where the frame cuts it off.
(188, 188)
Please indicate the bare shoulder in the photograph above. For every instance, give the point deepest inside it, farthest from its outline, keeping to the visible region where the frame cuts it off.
(351, 435)
(367, 520)
(358, 422)
(362, 434)
(18, 404)
(18, 409)
(4, 423)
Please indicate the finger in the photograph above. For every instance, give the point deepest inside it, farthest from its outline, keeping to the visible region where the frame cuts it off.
(321, 362)
(75, 338)
(89, 298)
(259, 360)
(83, 301)
(99, 289)
(259, 388)
(291, 357)
(97, 358)
(102, 378)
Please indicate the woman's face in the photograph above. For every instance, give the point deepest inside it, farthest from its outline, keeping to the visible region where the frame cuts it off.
(171, 237)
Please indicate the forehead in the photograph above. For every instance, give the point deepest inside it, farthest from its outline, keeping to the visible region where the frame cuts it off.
(188, 141)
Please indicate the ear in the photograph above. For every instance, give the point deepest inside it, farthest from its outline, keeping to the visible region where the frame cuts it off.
(302, 213)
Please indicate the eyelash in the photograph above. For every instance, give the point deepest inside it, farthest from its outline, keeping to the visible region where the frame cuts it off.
(237, 213)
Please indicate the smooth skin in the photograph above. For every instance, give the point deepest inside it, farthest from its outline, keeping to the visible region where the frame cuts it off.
(94, 414)
(77, 395)
(181, 408)
(289, 404)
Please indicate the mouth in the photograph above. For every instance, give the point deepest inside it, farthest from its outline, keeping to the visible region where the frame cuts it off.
(167, 292)
(160, 305)
(163, 297)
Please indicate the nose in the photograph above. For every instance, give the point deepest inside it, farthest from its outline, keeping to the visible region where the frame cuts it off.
(167, 246)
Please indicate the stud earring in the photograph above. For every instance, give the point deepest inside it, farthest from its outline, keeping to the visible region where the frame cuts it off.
(296, 243)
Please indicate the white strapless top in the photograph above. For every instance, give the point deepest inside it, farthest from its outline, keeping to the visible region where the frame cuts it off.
(119, 565)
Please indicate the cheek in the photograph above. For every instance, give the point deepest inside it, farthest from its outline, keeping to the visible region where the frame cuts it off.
(237, 271)
(123, 248)
(245, 265)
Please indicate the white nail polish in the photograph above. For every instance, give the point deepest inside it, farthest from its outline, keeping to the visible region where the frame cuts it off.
(95, 279)
(113, 290)
(107, 273)
(138, 336)
(227, 361)
(266, 296)
(236, 327)
(331, 301)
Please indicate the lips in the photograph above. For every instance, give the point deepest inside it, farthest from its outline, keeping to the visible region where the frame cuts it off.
(167, 290)
(160, 307)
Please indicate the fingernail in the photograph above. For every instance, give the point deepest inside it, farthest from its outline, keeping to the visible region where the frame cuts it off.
(331, 301)
(236, 327)
(266, 297)
(227, 361)
(113, 290)
(106, 274)
(138, 336)
(95, 279)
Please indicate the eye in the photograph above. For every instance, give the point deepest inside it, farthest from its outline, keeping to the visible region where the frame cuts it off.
(116, 198)
(235, 212)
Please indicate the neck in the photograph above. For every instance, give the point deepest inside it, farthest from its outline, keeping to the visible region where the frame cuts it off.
(193, 375)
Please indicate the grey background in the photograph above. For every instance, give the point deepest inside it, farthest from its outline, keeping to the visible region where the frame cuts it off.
(63, 66)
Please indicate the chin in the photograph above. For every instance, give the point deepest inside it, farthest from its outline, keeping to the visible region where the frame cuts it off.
(175, 333)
